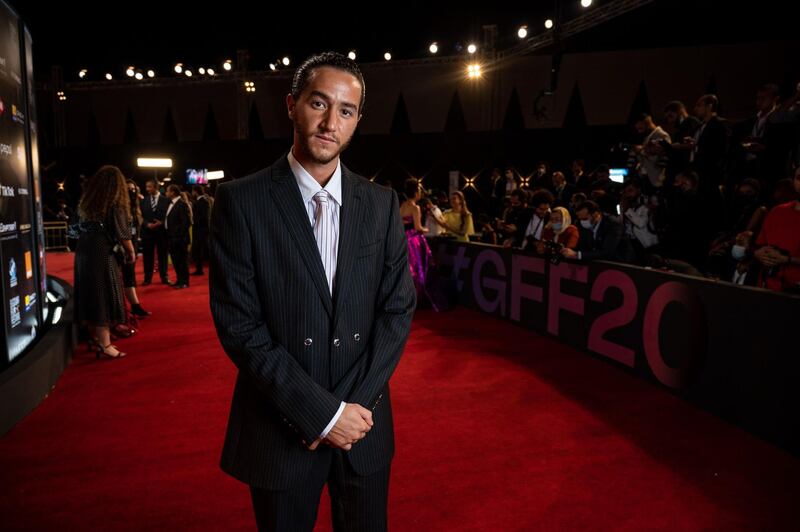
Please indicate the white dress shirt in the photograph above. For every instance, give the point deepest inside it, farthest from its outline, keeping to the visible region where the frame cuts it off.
(308, 187)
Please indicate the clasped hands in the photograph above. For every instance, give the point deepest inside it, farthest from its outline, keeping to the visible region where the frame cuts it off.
(352, 426)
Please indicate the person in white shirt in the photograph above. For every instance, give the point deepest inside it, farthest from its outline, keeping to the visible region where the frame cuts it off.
(650, 154)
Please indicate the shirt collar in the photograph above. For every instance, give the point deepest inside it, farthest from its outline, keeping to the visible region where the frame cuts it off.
(176, 198)
(310, 186)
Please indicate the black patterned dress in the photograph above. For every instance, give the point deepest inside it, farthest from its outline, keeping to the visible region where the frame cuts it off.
(99, 299)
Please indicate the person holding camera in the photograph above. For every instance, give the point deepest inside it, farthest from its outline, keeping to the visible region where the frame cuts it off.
(601, 236)
(537, 216)
(559, 233)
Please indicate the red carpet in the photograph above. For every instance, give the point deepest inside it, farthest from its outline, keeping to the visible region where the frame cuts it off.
(497, 429)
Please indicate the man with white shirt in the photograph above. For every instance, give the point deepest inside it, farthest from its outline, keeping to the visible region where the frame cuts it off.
(177, 223)
(154, 238)
(312, 299)
(535, 219)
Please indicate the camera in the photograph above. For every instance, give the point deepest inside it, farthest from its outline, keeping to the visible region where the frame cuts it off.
(552, 251)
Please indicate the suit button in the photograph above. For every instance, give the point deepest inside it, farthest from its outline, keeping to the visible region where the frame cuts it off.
(307, 342)
(356, 337)
(336, 342)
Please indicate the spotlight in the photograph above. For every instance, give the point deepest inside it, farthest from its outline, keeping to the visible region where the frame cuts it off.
(285, 61)
(387, 56)
(151, 74)
(139, 76)
(522, 32)
(152, 162)
(434, 48)
(211, 72)
(179, 68)
(472, 48)
(586, 3)
(474, 71)
(188, 73)
(352, 55)
(130, 72)
(272, 66)
(82, 73)
(109, 77)
(548, 23)
(202, 71)
(227, 65)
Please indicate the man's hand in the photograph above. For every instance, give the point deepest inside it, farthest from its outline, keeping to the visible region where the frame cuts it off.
(769, 256)
(352, 425)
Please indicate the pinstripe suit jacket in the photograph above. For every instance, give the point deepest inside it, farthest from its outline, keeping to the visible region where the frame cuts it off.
(299, 351)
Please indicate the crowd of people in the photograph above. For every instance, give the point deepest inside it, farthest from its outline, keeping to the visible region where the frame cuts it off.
(701, 195)
(114, 223)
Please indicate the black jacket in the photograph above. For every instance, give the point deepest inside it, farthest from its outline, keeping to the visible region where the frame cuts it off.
(609, 244)
(149, 215)
(178, 221)
(299, 350)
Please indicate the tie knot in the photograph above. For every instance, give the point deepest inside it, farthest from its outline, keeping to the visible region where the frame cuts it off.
(321, 197)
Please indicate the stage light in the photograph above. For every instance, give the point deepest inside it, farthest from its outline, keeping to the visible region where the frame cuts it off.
(472, 48)
(130, 72)
(150, 162)
(285, 61)
(188, 73)
(249, 86)
(387, 56)
(474, 70)
(522, 32)
(215, 174)
(61, 96)
(227, 65)
(82, 73)
(109, 77)
(434, 48)
(202, 71)
(272, 66)
(352, 55)
(179, 68)
(586, 3)
(548, 23)
(151, 74)
(139, 76)
(211, 72)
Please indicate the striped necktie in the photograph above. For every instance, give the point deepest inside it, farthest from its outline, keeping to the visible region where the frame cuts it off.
(324, 232)
(153, 202)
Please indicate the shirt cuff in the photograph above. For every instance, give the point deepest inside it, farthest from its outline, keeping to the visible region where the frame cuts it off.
(579, 256)
(333, 421)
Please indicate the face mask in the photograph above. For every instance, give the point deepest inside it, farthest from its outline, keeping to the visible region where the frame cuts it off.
(586, 224)
(556, 226)
(738, 252)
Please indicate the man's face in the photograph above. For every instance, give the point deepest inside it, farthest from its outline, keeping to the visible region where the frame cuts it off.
(542, 209)
(151, 188)
(326, 114)
(765, 101)
(515, 201)
(509, 174)
(558, 180)
(602, 175)
(576, 168)
(641, 127)
(701, 110)
(583, 214)
(671, 117)
(541, 170)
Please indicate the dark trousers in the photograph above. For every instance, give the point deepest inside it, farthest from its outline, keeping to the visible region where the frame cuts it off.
(180, 259)
(199, 247)
(357, 503)
(150, 243)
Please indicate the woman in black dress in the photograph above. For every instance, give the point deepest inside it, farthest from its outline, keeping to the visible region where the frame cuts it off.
(104, 213)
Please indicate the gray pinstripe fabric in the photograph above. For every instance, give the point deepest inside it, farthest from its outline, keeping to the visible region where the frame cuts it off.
(301, 349)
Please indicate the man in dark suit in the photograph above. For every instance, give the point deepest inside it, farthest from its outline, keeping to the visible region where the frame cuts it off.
(177, 223)
(154, 237)
(562, 191)
(312, 298)
(602, 237)
(201, 211)
(710, 146)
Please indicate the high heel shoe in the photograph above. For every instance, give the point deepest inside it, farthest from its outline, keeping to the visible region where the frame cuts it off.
(102, 351)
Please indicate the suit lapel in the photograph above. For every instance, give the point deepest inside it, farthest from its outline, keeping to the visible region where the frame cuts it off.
(349, 223)
(287, 197)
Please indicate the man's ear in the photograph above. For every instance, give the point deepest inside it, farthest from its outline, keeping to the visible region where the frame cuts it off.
(290, 105)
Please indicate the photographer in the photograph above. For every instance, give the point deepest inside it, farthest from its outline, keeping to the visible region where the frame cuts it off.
(537, 215)
(559, 233)
(651, 153)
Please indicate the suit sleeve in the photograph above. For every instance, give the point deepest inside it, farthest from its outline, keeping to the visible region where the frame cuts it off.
(608, 251)
(244, 335)
(395, 304)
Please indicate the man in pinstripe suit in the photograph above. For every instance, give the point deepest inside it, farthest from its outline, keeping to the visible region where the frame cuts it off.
(312, 299)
